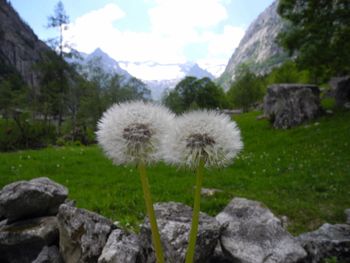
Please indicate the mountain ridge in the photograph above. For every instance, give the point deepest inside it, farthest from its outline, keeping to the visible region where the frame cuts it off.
(258, 48)
(20, 47)
(157, 86)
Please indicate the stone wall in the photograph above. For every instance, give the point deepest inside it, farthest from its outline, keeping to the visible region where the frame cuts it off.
(39, 224)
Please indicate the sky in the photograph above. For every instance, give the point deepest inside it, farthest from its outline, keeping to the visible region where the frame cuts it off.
(165, 32)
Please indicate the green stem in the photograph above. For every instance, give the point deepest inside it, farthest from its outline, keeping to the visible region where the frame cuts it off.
(195, 215)
(150, 211)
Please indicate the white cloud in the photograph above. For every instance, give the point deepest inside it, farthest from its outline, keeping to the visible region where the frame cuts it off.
(94, 28)
(152, 71)
(225, 43)
(174, 25)
(181, 18)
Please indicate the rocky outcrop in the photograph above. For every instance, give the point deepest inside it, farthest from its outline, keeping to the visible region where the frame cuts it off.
(83, 234)
(258, 47)
(326, 242)
(288, 105)
(19, 46)
(341, 91)
(34, 198)
(255, 235)
(174, 223)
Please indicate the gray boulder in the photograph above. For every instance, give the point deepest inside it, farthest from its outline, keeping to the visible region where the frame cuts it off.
(49, 255)
(174, 223)
(254, 235)
(288, 105)
(83, 234)
(341, 90)
(34, 198)
(121, 247)
(327, 241)
(23, 241)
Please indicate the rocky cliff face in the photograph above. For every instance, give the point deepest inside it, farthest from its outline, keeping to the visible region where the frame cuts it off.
(258, 48)
(19, 46)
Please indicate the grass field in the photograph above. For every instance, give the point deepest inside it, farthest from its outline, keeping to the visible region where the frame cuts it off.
(303, 173)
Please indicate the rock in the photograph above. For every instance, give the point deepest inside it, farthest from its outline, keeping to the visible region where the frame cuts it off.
(347, 214)
(327, 241)
(219, 256)
(83, 234)
(341, 87)
(174, 223)
(208, 192)
(261, 117)
(49, 255)
(288, 105)
(34, 198)
(255, 235)
(284, 222)
(122, 247)
(23, 241)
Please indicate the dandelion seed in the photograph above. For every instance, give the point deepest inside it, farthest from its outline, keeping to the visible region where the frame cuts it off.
(133, 131)
(202, 134)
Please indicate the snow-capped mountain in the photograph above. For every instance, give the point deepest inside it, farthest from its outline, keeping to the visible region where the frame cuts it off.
(108, 64)
(165, 76)
(158, 77)
(101, 59)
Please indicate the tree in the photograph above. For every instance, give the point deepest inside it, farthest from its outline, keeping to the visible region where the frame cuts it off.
(13, 91)
(318, 34)
(193, 93)
(59, 84)
(288, 72)
(59, 20)
(247, 88)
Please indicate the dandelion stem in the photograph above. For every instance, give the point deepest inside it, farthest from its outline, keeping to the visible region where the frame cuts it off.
(196, 209)
(150, 211)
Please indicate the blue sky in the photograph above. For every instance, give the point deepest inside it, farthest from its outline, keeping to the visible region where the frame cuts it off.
(163, 31)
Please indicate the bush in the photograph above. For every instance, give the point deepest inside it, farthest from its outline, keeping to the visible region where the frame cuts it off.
(24, 134)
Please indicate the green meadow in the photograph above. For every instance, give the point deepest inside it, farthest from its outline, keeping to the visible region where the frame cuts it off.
(303, 173)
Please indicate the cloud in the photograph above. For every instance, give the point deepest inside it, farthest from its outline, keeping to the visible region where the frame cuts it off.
(182, 18)
(92, 29)
(173, 26)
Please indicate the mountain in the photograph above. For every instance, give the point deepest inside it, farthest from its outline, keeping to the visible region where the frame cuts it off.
(194, 70)
(103, 60)
(20, 48)
(158, 87)
(258, 48)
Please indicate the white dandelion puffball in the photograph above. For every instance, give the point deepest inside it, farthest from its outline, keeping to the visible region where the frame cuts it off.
(203, 134)
(133, 131)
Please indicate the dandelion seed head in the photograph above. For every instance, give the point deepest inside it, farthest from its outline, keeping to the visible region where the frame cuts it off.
(203, 134)
(133, 131)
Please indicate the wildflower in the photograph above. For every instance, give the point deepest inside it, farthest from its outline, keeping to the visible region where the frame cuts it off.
(203, 134)
(132, 133)
(201, 138)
